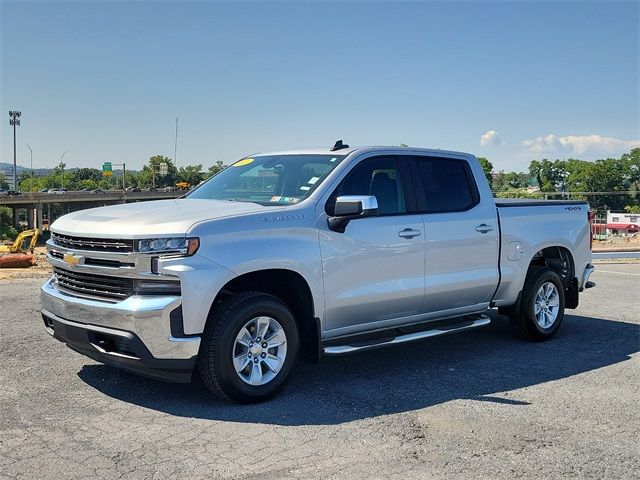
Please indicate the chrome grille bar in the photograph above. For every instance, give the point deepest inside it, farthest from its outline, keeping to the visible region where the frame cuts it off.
(99, 286)
(95, 244)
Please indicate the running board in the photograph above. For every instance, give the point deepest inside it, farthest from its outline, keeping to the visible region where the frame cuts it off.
(409, 337)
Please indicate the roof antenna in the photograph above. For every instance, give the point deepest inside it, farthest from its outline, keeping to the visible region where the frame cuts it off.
(339, 146)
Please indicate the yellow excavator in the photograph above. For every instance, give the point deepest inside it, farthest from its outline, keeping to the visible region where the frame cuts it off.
(20, 252)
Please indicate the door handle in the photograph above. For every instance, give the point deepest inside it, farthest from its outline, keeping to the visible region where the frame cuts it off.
(484, 228)
(408, 233)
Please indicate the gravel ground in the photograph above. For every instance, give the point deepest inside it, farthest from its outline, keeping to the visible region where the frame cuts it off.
(478, 404)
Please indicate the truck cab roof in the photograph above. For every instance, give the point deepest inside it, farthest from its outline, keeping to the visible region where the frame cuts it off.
(366, 149)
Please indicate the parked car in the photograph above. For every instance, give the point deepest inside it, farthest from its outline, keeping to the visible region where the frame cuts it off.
(305, 253)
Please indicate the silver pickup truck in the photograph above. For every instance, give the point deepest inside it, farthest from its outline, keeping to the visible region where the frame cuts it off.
(304, 253)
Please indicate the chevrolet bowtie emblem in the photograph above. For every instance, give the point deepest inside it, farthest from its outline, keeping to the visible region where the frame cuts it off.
(71, 259)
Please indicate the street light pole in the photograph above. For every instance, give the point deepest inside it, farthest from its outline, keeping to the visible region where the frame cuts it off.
(62, 165)
(31, 156)
(14, 120)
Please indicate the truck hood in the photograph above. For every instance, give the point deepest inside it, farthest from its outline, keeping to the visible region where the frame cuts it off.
(144, 219)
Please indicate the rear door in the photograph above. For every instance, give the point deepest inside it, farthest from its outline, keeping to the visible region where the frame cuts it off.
(461, 272)
(374, 271)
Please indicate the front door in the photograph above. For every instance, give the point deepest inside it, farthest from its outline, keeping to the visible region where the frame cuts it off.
(374, 271)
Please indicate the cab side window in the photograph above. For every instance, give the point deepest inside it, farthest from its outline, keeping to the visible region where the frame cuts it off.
(379, 177)
(447, 183)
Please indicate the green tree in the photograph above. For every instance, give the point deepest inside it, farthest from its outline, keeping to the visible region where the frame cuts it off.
(3, 182)
(631, 165)
(145, 177)
(215, 168)
(192, 174)
(487, 168)
(7, 231)
(29, 184)
(510, 181)
(550, 176)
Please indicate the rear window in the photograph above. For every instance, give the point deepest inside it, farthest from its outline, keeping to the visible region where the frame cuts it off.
(447, 184)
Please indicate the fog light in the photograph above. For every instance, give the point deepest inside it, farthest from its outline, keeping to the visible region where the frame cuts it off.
(157, 287)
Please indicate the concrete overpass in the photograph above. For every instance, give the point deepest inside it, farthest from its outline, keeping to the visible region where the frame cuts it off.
(34, 203)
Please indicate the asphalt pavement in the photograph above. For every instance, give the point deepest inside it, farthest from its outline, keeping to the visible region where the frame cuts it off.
(478, 404)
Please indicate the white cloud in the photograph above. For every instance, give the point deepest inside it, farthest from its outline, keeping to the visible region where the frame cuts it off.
(580, 145)
(490, 137)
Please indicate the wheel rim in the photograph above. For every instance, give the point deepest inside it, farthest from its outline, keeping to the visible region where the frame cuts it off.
(259, 351)
(547, 305)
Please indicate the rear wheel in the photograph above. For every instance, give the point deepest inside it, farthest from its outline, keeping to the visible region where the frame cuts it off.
(249, 348)
(541, 307)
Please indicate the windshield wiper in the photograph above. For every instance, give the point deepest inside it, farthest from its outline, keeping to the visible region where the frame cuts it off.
(243, 200)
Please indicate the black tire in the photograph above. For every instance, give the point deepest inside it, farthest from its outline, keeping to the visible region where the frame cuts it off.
(524, 320)
(215, 362)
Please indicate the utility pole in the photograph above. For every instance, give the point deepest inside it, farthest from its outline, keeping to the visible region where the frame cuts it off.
(62, 165)
(14, 120)
(175, 149)
(31, 156)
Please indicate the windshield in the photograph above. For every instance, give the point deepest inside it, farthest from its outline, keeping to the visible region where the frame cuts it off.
(269, 179)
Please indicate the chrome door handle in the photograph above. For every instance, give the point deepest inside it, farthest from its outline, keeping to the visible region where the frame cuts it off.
(484, 228)
(408, 233)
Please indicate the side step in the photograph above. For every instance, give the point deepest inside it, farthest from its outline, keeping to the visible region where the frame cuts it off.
(356, 346)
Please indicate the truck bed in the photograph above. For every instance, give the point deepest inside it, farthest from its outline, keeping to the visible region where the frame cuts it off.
(534, 202)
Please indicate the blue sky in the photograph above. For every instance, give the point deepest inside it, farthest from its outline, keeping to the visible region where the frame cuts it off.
(511, 81)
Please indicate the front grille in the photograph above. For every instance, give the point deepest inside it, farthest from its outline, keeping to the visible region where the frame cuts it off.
(93, 244)
(90, 285)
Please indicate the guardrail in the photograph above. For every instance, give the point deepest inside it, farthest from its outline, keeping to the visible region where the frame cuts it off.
(29, 199)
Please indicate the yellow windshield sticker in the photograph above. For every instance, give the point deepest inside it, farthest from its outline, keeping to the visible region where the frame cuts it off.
(242, 163)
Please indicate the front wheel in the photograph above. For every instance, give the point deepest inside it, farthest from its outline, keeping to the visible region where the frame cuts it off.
(541, 306)
(249, 348)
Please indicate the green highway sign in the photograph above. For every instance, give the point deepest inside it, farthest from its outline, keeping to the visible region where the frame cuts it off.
(106, 167)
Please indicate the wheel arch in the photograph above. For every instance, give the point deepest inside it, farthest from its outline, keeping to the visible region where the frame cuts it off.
(559, 259)
(293, 290)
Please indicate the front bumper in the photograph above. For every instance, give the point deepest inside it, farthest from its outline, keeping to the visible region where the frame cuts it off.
(134, 334)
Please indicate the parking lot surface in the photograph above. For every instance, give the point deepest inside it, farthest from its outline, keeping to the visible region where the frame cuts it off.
(479, 404)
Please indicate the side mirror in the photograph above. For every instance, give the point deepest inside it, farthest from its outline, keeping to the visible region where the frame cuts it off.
(351, 207)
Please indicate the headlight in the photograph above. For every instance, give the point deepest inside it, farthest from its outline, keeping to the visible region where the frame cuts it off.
(182, 246)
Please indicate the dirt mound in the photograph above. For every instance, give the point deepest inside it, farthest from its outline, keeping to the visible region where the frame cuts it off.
(40, 269)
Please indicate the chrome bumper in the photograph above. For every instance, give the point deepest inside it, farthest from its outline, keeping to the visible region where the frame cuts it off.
(148, 318)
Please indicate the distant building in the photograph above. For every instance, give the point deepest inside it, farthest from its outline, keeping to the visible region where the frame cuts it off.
(623, 222)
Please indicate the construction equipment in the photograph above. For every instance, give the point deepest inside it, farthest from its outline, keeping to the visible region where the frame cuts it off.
(20, 245)
(20, 253)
